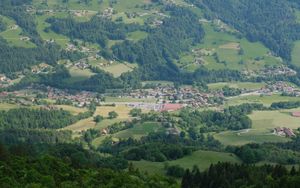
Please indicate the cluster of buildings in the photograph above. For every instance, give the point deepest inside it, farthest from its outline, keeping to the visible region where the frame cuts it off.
(283, 131)
(280, 87)
(169, 94)
(4, 81)
(80, 99)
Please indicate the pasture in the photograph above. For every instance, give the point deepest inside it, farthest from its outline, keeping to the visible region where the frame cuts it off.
(13, 34)
(81, 125)
(240, 85)
(203, 159)
(117, 69)
(7, 106)
(296, 54)
(227, 47)
(265, 100)
(263, 124)
(139, 130)
(78, 74)
(122, 110)
(74, 110)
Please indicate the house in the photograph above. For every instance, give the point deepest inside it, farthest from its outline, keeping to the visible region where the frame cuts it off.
(289, 132)
(284, 131)
(279, 131)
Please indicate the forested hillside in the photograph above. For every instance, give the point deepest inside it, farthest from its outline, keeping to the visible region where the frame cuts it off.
(271, 22)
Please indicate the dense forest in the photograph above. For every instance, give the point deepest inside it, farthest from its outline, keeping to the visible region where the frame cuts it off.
(235, 176)
(31, 118)
(68, 166)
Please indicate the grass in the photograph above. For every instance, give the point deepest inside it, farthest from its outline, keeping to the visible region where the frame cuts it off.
(78, 75)
(226, 47)
(74, 110)
(137, 35)
(203, 159)
(240, 85)
(253, 136)
(296, 54)
(81, 125)
(265, 100)
(263, 123)
(7, 106)
(122, 110)
(119, 68)
(139, 130)
(42, 25)
(13, 35)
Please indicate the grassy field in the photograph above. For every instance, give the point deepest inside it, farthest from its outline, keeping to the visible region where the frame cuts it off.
(240, 85)
(122, 110)
(253, 136)
(202, 159)
(119, 68)
(137, 35)
(7, 106)
(13, 35)
(296, 54)
(42, 24)
(78, 75)
(263, 123)
(227, 46)
(74, 110)
(82, 125)
(139, 130)
(265, 100)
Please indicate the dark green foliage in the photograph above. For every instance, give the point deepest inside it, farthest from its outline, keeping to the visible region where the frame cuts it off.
(19, 135)
(276, 153)
(31, 119)
(228, 175)
(175, 171)
(21, 169)
(233, 118)
(158, 147)
(3, 26)
(97, 30)
(285, 105)
(98, 118)
(112, 115)
(228, 92)
(135, 112)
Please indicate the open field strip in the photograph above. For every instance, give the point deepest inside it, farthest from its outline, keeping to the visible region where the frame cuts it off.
(203, 159)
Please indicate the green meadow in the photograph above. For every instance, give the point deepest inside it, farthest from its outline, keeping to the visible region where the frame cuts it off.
(203, 159)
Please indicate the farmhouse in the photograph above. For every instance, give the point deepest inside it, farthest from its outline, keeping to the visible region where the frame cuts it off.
(283, 131)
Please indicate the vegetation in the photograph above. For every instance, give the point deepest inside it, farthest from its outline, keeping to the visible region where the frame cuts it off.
(263, 176)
